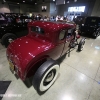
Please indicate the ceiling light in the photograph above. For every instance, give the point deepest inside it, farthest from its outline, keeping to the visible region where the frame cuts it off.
(35, 3)
(67, 1)
(23, 1)
(17, 3)
(75, 0)
(53, 0)
(4, 0)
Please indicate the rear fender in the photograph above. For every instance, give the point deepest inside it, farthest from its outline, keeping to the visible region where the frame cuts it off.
(31, 71)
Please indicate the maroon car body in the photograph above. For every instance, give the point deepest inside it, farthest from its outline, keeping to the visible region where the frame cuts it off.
(36, 53)
(26, 51)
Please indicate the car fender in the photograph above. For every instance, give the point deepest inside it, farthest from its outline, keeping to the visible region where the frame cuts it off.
(30, 70)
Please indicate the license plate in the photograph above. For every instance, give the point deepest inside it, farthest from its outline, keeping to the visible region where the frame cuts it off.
(11, 65)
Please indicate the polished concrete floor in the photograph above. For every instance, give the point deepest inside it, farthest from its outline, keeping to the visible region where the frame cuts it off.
(79, 77)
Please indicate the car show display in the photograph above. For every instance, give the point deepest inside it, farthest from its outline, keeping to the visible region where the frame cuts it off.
(49, 49)
(13, 26)
(36, 54)
(89, 25)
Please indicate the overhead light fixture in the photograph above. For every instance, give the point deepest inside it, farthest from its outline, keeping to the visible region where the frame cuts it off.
(3, 1)
(64, 1)
(67, 1)
(75, 0)
(35, 3)
(53, 0)
(23, 1)
(17, 3)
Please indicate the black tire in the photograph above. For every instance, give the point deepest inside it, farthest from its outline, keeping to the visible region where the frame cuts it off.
(81, 44)
(6, 37)
(45, 76)
(96, 34)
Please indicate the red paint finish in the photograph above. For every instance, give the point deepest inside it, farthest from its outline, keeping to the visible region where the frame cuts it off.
(24, 52)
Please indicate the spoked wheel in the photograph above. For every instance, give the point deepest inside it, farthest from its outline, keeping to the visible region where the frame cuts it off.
(45, 76)
(98, 32)
(8, 38)
(73, 43)
(81, 44)
(95, 35)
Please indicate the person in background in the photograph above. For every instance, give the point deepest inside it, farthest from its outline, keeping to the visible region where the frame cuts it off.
(61, 18)
(33, 17)
(57, 17)
(45, 18)
(48, 19)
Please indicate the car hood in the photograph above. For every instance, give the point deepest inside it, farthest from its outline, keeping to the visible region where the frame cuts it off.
(23, 50)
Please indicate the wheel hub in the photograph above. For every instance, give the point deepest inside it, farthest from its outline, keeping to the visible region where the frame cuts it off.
(49, 77)
(10, 40)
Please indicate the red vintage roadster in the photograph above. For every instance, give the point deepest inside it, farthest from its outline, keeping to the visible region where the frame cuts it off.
(37, 53)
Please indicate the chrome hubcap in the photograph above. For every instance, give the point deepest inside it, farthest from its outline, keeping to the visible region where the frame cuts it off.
(49, 77)
(10, 40)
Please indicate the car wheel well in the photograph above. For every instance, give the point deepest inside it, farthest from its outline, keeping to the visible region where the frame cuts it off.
(6, 37)
(45, 76)
(32, 70)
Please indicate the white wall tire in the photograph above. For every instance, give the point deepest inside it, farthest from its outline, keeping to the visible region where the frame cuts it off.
(45, 76)
(42, 86)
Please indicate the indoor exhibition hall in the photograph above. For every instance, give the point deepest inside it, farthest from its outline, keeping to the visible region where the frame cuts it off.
(49, 49)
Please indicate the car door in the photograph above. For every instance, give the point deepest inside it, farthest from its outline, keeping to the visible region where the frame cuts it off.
(56, 52)
(69, 36)
(58, 49)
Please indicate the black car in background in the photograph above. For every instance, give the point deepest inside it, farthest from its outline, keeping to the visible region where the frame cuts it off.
(3, 19)
(14, 27)
(89, 26)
